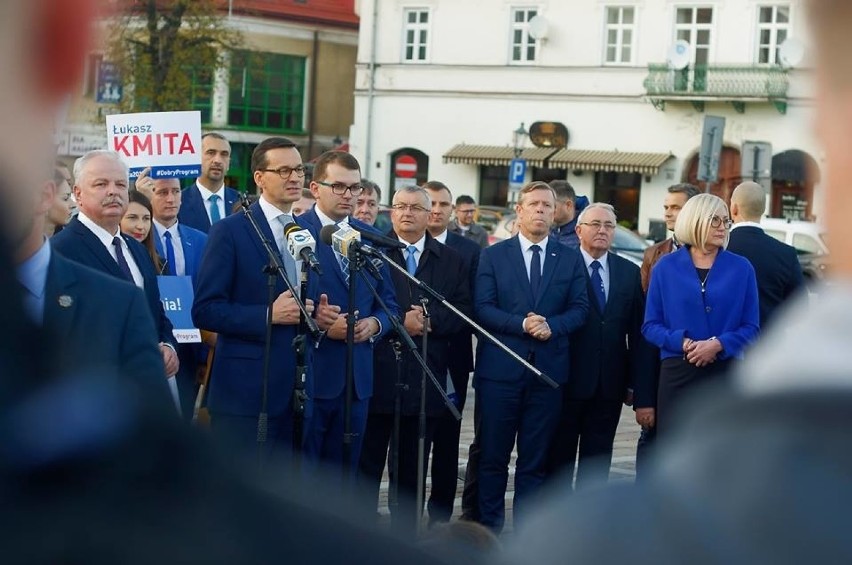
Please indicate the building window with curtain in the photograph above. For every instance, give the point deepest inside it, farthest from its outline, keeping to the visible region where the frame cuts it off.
(619, 35)
(267, 92)
(415, 35)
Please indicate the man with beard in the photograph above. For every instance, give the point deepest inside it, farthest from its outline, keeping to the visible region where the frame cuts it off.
(209, 200)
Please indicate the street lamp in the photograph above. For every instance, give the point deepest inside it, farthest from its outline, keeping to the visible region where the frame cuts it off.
(518, 137)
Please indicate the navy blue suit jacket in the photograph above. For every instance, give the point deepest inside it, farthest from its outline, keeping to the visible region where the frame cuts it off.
(609, 353)
(443, 270)
(676, 307)
(193, 212)
(503, 297)
(104, 325)
(776, 266)
(330, 358)
(78, 243)
(193, 242)
(231, 299)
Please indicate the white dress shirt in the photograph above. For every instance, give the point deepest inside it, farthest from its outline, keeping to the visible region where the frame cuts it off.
(180, 260)
(604, 270)
(420, 244)
(272, 214)
(746, 224)
(206, 194)
(442, 237)
(106, 238)
(528, 255)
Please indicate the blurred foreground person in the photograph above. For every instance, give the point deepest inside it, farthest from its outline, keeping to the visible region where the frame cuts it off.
(769, 482)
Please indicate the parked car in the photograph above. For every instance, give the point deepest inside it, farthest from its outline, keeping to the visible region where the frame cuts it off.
(489, 216)
(806, 237)
(625, 242)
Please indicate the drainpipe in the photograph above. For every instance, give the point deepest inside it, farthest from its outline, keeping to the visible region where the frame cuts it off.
(368, 151)
(312, 114)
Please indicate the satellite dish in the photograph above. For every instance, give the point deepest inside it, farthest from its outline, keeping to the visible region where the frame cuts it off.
(538, 27)
(679, 55)
(791, 52)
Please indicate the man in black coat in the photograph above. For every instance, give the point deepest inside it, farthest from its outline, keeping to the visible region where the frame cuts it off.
(608, 355)
(445, 443)
(776, 265)
(442, 269)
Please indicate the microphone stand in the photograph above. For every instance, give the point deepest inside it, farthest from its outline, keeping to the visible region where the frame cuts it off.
(300, 397)
(437, 296)
(393, 491)
(273, 269)
(355, 266)
(421, 424)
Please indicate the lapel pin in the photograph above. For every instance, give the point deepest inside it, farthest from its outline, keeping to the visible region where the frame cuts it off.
(65, 301)
(553, 254)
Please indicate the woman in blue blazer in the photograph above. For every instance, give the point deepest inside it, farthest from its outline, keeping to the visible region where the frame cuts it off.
(702, 308)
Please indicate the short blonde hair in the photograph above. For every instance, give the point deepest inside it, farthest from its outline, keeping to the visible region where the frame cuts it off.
(693, 222)
(535, 185)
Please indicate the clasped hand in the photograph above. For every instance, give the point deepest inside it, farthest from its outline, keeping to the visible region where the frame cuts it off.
(701, 353)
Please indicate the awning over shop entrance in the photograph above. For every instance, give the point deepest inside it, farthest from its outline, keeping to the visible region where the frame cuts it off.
(617, 161)
(495, 155)
(622, 162)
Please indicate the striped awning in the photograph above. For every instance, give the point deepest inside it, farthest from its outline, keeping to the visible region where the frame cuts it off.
(618, 161)
(495, 155)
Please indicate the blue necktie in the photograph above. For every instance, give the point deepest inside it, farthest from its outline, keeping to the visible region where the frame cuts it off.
(535, 269)
(410, 261)
(171, 263)
(215, 216)
(597, 284)
(122, 262)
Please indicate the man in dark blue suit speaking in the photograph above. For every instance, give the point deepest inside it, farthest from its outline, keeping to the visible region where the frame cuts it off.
(531, 294)
(231, 299)
(776, 264)
(209, 200)
(608, 354)
(336, 185)
(93, 238)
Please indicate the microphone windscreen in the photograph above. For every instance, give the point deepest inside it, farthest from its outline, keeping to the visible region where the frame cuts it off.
(326, 232)
(291, 227)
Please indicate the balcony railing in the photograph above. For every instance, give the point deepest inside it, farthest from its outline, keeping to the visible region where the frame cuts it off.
(720, 83)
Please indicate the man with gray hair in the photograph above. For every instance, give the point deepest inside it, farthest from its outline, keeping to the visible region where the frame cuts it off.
(443, 269)
(608, 354)
(367, 203)
(776, 264)
(94, 238)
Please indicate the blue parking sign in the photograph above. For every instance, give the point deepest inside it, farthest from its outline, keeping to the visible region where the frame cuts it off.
(517, 171)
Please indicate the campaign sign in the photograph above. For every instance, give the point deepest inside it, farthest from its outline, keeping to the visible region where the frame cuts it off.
(168, 142)
(176, 295)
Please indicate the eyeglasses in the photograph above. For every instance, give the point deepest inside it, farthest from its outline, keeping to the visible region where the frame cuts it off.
(607, 226)
(340, 189)
(285, 172)
(716, 222)
(409, 207)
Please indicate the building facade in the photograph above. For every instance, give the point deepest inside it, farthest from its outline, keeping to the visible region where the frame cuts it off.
(294, 77)
(445, 83)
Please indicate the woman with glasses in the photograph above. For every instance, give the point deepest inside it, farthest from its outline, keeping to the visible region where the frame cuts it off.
(702, 306)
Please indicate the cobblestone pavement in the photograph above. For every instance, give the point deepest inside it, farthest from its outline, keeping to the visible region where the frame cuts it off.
(623, 461)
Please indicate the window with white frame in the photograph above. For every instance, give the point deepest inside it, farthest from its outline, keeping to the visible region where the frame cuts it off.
(619, 35)
(523, 44)
(773, 27)
(415, 35)
(695, 25)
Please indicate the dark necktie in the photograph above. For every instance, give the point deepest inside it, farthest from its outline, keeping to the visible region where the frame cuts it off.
(410, 260)
(122, 262)
(598, 285)
(171, 263)
(215, 216)
(535, 269)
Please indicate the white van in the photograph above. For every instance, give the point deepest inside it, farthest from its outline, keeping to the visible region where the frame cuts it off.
(806, 237)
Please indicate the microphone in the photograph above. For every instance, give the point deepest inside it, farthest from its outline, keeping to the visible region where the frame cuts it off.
(342, 238)
(378, 239)
(300, 243)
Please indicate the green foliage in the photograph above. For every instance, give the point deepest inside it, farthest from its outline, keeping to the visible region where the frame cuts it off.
(161, 45)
